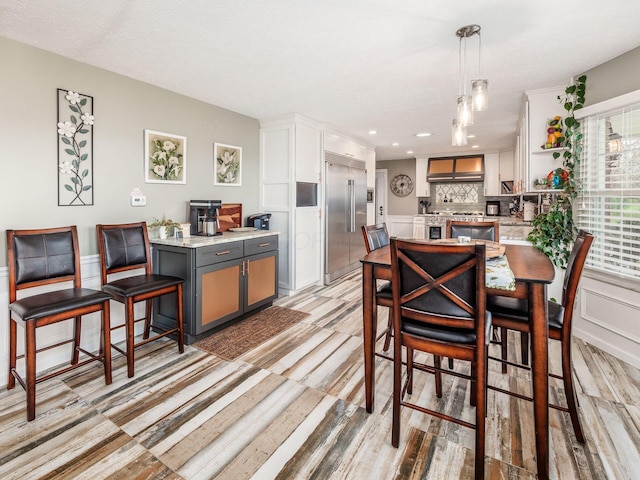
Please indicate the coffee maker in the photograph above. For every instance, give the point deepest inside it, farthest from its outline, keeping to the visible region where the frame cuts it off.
(203, 215)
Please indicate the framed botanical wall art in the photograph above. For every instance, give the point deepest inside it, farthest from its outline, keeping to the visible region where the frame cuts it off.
(227, 163)
(75, 148)
(165, 158)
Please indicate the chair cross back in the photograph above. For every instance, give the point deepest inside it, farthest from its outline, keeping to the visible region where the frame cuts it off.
(439, 308)
(427, 277)
(439, 283)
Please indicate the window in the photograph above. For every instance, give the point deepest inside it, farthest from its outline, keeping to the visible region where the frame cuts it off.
(608, 202)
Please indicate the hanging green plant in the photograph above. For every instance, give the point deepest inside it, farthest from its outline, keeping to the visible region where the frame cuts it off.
(553, 233)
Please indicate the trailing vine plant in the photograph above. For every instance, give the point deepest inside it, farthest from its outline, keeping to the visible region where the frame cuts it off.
(553, 233)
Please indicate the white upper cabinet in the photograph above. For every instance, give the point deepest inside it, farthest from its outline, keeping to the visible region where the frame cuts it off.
(506, 166)
(491, 174)
(422, 186)
(498, 168)
(308, 145)
(342, 145)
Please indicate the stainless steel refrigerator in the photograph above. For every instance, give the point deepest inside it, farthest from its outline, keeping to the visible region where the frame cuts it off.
(345, 213)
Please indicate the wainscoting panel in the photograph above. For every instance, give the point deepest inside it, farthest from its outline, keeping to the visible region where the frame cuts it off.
(608, 318)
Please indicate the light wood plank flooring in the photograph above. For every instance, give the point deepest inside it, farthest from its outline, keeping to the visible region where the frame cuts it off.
(294, 409)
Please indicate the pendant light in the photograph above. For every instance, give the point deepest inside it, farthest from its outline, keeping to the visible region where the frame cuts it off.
(465, 106)
(480, 94)
(480, 87)
(458, 134)
(478, 100)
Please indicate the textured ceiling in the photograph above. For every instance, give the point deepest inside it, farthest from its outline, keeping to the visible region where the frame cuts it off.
(357, 65)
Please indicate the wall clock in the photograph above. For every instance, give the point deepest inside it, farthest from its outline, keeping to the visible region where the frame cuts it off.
(402, 185)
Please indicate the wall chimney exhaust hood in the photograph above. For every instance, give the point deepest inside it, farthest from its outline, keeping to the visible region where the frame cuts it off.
(468, 168)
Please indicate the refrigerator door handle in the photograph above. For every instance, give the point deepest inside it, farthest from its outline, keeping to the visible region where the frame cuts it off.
(352, 205)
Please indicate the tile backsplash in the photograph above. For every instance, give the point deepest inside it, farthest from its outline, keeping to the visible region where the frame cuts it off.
(458, 192)
(467, 196)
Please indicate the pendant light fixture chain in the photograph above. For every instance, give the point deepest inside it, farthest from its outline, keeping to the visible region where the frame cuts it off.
(466, 104)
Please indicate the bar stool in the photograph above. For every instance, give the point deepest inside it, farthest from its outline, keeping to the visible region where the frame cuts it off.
(513, 314)
(125, 247)
(45, 257)
(375, 237)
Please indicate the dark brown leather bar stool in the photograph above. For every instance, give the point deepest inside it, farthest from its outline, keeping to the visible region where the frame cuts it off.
(44, 257)
(513, 314)
(480, 230)
(375, 237)
(439, 308)
(125, 247)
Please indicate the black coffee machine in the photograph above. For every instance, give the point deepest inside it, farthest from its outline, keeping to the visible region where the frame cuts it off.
(259, 220)
(203, 215)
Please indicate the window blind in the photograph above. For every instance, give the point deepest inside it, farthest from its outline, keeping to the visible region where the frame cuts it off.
(608, 202)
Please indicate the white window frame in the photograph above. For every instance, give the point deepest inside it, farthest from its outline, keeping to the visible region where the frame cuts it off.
(615, 256)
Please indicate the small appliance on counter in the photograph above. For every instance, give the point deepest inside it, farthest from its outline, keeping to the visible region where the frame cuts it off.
(493, 208)
(529, 211)
(259, 221)
(203, 216)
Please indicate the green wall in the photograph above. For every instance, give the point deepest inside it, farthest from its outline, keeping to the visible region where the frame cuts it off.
(123, 109)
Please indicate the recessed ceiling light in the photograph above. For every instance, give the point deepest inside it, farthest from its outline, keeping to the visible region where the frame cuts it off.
(475, 146)
(423, 134)
(395, 144)
(409, 152)
(372, 132)
(471, 136)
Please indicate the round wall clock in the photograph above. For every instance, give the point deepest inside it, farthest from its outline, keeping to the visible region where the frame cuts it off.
(402, 185)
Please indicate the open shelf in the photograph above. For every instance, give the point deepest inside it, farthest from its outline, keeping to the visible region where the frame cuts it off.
(546, 150)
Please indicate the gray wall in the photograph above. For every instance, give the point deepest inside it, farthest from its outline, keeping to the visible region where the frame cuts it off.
(613, 78)
(123, 109)
(400, 205)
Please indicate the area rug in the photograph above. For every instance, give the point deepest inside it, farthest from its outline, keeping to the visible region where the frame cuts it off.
(250, 332)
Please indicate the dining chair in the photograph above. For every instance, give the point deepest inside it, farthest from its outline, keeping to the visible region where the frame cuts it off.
(479, 230)
(513, 314)
(125, 248)
(439, 308)
(40, 258)
(377, 236)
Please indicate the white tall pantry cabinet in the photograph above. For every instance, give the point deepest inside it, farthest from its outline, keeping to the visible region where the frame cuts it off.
(291, 152)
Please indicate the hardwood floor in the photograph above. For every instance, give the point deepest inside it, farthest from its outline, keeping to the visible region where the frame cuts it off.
(294, 408)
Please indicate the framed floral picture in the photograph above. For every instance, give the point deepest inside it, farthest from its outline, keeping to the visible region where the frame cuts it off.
(165, 158)
(227, 162)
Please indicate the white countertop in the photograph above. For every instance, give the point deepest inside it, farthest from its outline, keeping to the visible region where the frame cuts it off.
(201, 241)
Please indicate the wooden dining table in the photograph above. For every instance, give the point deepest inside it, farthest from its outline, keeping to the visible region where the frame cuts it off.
(533, 271)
